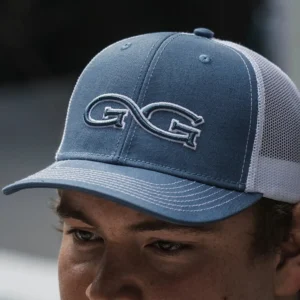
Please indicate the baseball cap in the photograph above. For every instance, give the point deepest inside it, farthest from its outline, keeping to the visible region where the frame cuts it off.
(183, 126)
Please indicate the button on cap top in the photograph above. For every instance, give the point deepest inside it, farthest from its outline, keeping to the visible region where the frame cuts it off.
(204, 32)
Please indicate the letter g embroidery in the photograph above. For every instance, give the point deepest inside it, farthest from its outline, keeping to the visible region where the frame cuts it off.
(178, 132)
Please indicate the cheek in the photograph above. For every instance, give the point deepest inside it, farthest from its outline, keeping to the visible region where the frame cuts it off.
(74, 276)
(216, 274)
(204, 277)
(227, 275)
(192, 286)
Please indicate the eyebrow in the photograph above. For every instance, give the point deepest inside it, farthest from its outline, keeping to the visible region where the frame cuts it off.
(65, 211)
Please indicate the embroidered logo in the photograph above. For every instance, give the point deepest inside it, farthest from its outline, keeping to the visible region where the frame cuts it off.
(115, 117)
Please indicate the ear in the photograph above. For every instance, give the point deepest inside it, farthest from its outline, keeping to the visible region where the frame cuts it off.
(287, 281)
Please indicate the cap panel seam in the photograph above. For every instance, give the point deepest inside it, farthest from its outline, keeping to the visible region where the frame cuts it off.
(167, 42)
(133, 93)
(251, 106)
(83, 153)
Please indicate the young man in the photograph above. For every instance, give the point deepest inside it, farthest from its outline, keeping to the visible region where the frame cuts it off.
(178, 174)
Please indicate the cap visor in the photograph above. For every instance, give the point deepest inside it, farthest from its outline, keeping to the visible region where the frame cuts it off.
(163, 196)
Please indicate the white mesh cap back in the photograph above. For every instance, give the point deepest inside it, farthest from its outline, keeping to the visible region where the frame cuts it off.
(275, 163)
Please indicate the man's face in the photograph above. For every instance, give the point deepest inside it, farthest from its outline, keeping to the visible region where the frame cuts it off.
(110, 251)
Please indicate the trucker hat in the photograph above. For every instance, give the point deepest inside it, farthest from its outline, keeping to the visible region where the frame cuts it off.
(183, 126)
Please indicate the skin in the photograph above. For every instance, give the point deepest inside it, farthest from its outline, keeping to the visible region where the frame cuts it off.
(109, 256)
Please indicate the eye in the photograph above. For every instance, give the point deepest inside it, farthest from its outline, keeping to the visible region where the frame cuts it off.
(84, 236)
(169, 248)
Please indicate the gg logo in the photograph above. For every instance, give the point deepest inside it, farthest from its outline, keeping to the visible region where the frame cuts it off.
(115, 117)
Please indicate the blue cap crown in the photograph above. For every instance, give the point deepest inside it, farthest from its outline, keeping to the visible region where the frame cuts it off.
(181, 104)
(181, 126)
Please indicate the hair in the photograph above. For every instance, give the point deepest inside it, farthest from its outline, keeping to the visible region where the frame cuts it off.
(273, 223)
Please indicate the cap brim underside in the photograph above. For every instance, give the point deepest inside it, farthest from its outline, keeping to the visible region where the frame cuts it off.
(163, 196)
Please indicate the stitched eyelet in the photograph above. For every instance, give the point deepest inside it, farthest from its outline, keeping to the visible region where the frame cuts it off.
(126, 46)
(205, 58)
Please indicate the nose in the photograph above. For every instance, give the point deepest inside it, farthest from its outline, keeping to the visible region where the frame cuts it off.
(118, 277)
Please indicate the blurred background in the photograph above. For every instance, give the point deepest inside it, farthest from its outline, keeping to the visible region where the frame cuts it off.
(44, 45)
